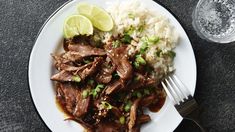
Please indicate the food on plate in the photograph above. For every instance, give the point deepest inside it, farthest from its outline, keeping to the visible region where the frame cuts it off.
(98, 16)
(76, 25)
(106, 80)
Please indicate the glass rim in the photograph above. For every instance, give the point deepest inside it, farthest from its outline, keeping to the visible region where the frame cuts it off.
(199, 29)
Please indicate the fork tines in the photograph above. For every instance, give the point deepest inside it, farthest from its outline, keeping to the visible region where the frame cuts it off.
(175, 89)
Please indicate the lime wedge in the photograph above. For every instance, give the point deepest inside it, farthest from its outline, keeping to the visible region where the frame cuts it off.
(76, 25)
(98, 16)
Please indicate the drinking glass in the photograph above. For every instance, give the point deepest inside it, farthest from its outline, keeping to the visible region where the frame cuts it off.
(214, 20)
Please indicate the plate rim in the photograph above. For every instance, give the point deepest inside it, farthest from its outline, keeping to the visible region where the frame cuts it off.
(54, 13)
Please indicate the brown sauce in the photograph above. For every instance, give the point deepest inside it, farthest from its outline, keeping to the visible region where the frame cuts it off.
(158, 105)
(62, 108)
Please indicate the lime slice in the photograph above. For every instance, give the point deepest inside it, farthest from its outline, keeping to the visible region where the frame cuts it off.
(76, 25)
(98, 16)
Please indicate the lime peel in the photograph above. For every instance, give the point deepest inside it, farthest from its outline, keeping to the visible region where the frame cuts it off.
(98, 16)
(77, 25)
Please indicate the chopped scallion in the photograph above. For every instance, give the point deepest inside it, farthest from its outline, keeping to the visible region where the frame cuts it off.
(116, 44)
(138, 94)
(122, 120)
(130, 30)
(97, 89)
(146, 91)
(128, 106)
(86, 61)
(76, 78)
(132, 16)
(139, 59)
(143, 47)
(126, 39)
(158, 53)
(171, 53)
(106, 105)
(153, 39)
(85, 94)
(99, 86)
(93, 93)
(141, 28)
(136, 65)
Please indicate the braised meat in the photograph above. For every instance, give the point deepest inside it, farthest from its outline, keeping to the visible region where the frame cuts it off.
(71, 97)
(102, 89)
(120, 60)
(86, 50)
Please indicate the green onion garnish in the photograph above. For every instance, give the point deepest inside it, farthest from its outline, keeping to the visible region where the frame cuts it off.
(85, 94)
(153, 39)
(143, 47)
(132, 16)
(146, 91)
(128, 106)
(76, 78)
(136, 65)
(106, 105)
(86, 61)
(171, 53)
(139, 95)
(116, 44)
(97, 89)
(126, 39)
(139, 59)
(122, 120)
(158, 53)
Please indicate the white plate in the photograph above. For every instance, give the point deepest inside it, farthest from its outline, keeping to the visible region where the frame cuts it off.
(49, 41)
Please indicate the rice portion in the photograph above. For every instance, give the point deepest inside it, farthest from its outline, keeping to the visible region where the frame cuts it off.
(148, 29)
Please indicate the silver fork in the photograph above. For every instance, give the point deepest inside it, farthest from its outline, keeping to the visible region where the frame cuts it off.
(183, 101)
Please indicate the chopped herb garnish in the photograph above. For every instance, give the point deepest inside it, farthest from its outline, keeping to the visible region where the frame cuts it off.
(126, 39)
(128, 106)
(148, 41)
(85, 94)
(158, 53)
(86, 61)
(122, 120)
(116, 43)
(138, 94)
(97, 89)
(100, 86)
(143, 47)
(141, 28)
(106, 105)
(136, 65)
(93, 93)
(76, 78)
(139, 59)
(132, 16)
(130, 30)
(171, 53)
(146, 91)
(153, 39)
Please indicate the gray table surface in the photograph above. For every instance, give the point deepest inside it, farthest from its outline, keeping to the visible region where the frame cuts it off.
(20, 21)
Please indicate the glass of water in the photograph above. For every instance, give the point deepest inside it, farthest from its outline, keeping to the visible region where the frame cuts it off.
(214, 20)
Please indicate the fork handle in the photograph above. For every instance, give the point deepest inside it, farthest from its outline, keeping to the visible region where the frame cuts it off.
(193, 116)
(198, 124)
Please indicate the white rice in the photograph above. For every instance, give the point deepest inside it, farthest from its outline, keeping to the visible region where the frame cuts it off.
(133, 13)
